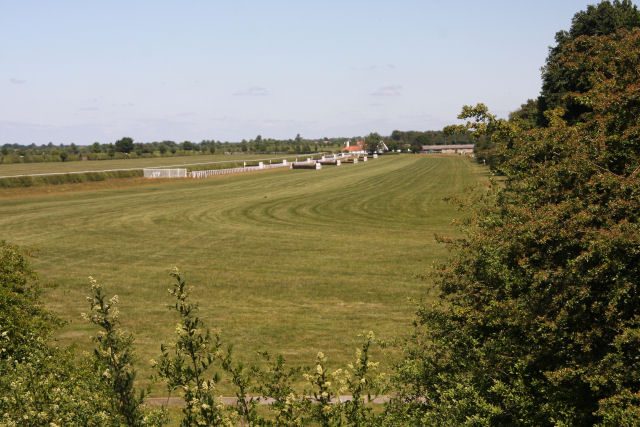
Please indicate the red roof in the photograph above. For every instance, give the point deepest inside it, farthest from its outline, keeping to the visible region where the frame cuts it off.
(352, 148)
(358, 146)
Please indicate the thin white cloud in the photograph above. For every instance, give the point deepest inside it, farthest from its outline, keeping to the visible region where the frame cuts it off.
(252, 91)
(17, 81)
(393, 90)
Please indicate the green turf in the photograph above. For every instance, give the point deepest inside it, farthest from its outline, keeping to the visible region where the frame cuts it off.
(12, 169)
(295, 261)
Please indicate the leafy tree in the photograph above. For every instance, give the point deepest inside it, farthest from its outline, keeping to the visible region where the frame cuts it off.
(526, 116)
(40, 384)
(124, 145)
(22, 318)
(604, 18)
(539, 318)
(96, 148)
(490, 133)
(113, 359)
(372, 142)
(415, 147)
(184, 364)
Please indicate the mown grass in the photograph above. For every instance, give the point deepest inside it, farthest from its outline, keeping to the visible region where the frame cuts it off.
(294, 261)
(12, 169)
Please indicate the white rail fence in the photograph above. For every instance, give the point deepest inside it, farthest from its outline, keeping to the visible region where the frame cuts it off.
(165, 173)
(336, 159)
(215, 172)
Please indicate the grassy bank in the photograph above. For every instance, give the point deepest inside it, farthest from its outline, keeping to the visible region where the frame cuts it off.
(67, 178)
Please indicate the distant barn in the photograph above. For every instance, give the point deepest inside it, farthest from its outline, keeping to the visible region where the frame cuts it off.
(448, 149)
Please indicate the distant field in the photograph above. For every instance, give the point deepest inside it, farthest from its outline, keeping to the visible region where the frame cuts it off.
(13, 169)
(292, 261)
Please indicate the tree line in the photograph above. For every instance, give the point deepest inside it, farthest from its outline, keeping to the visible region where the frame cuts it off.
(126, 147)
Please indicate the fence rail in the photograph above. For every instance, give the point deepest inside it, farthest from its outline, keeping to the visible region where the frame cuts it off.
(214, 172)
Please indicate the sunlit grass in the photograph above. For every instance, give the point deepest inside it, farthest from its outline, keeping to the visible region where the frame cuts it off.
(290, 261)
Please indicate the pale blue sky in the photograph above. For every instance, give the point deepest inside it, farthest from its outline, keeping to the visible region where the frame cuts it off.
(84, 71)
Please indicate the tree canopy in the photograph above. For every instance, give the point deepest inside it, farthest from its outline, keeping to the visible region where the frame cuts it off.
(539, 319)
(598, 20)
(124, 145)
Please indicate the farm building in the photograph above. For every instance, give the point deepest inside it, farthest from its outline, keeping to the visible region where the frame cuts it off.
(448, 149)
(357, 148)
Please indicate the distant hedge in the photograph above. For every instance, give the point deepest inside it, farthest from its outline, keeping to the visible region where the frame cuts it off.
(68, 178)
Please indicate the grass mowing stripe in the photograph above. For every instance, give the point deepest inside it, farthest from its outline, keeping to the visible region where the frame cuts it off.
(291, 261)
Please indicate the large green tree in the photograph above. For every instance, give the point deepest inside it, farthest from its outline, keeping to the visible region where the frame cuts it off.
(539, 319)
(604, 18)
(372, 142)
(124, 145)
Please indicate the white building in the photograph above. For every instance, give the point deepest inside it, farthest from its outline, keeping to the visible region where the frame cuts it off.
(448, 149)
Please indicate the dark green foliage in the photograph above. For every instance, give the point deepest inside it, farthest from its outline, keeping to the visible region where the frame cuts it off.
(124, 145)
(404, 139)
(415, 147)
(16, 153)
(602, 19)
(540, 315)
(526, 116)
(372, 142)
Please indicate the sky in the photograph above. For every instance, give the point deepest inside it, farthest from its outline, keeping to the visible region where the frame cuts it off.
(85, 71)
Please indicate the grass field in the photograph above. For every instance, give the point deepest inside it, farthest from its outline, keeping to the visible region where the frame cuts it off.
(13, 169)
(291, 261)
